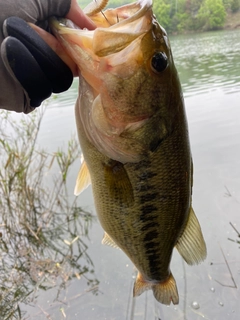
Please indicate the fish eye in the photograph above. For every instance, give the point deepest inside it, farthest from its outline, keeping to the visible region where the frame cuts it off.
(159, 62)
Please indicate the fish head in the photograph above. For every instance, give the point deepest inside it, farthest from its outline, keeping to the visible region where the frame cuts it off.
(127, 65)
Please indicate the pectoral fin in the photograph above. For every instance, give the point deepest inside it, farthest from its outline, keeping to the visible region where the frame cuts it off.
(108, 241)
(191, 244)
(119, 186)
(83, 179)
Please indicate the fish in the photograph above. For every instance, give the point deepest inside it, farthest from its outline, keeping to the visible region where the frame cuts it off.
(133, 133)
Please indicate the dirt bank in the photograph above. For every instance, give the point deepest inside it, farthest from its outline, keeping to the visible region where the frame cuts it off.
(232, 21)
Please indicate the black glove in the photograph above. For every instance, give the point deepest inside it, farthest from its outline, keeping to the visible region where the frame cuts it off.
(32, 62)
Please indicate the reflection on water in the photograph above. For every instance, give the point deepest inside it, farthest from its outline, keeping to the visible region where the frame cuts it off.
(209, 66)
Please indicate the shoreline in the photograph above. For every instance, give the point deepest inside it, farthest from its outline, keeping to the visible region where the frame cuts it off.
(232, 23)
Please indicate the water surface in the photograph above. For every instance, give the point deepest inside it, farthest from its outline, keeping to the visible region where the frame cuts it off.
(209, 70)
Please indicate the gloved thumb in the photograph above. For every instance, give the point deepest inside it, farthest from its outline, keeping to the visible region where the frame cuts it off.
(32, 62)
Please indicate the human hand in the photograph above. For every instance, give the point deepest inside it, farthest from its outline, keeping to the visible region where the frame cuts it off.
(32, 70)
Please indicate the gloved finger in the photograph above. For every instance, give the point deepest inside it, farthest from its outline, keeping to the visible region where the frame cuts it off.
(22, 65)
(57, 72)
(57, 47)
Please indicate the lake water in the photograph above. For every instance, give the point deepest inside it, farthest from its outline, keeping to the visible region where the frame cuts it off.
(209, 69)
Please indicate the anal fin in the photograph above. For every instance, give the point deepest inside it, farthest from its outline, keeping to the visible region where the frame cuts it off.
(191, 244)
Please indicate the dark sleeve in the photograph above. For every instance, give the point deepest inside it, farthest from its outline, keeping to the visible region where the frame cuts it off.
(12, 96)
(33, 10)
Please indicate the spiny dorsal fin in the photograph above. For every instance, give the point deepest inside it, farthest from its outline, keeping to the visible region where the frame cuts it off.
(108, 241)
(191, 244)
(83, 179)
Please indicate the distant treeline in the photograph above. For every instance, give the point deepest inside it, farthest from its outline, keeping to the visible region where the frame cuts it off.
(178, 16)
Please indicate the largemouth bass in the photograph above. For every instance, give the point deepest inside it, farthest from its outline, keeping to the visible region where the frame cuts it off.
(134, 138)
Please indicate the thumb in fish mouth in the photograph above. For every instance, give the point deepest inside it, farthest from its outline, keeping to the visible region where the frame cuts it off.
(77, 15)
(56, 47)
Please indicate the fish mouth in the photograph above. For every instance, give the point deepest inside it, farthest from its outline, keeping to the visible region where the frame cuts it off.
(123, 24)
(115, 54)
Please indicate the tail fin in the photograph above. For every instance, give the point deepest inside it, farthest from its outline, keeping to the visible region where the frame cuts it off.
(141, 285)
(164, 292)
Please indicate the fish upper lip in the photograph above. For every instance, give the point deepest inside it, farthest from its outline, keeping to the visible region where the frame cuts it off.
(144, 6)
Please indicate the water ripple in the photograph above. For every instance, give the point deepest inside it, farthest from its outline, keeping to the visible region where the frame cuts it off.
(207, 61)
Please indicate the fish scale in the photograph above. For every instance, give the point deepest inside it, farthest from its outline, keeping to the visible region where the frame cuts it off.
(133, 133)
(119, 221)
(162, 186)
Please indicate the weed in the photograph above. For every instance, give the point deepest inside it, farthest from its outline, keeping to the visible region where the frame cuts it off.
(42, 228)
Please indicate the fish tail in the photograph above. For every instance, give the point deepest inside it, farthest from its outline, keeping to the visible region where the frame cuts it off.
(141, 285)
(164, 292)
